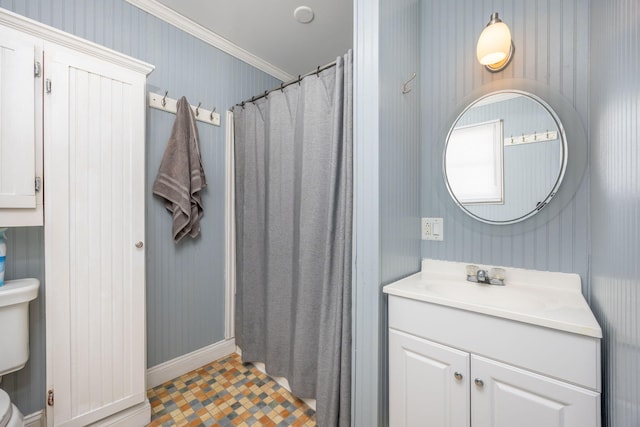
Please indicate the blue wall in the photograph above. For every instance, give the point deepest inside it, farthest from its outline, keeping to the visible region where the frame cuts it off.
(399, 154)
(615, 204)
(552, 50)
(185, 283)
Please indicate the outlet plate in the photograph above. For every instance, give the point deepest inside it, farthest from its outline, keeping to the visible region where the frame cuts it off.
(432, 229)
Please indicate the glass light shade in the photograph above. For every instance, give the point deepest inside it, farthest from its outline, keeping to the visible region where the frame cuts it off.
(494, 44)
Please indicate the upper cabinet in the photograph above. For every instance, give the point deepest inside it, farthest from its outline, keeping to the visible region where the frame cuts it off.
(21, 85)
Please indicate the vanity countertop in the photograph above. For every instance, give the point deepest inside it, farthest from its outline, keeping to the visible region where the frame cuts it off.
(549, 299)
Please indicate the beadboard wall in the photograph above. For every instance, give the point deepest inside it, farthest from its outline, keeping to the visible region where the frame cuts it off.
(551, 40)
(185, 282)
(399, 154)
(399, 139)
(615, 203)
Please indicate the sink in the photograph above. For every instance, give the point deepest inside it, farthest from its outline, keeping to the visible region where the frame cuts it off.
(546, 299)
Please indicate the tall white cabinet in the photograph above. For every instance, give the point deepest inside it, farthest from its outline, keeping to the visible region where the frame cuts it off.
(90, 112)
(94, 151)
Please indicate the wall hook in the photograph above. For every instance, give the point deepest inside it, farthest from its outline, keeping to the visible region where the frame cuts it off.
(198, 109)
(405, 90)
(164, 98)
(211, 113)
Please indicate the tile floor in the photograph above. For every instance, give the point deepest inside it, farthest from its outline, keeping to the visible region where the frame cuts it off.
(227, 393)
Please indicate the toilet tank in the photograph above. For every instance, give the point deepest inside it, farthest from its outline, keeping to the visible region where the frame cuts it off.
(14, 322)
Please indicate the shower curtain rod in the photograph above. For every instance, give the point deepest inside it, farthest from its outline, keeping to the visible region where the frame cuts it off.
(289, 83)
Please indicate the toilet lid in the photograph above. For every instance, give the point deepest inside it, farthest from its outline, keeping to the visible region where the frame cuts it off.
(5, 408)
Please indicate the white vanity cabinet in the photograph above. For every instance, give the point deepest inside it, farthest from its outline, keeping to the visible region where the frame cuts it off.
(454, 363)
(20, 129)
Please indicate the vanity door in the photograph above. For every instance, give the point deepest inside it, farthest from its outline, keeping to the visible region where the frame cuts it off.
(503, 395)
(428, 383)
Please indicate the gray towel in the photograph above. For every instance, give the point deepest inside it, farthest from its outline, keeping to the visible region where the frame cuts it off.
(180, 176)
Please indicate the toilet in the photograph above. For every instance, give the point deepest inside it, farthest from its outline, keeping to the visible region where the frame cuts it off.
(14, 338)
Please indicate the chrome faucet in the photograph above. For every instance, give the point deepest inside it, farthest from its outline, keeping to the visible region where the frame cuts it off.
(494, 277)
(482, 276)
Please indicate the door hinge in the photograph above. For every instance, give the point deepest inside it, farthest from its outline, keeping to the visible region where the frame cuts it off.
(37, 69)
(38, 183)
(50, 398)
(47, 85)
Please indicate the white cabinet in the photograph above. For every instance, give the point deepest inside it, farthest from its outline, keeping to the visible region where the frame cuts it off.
(454, 368)
(94, 233)
(20, 129)
(503, 395)
(91, 115)
(428, 383)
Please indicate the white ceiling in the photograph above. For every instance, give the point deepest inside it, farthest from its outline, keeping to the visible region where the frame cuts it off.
(268, 29)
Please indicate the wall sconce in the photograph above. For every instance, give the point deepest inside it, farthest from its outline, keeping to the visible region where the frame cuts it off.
(495, 47)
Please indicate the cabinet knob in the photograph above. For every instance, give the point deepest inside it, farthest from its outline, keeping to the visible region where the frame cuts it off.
(139, 244)
(457, 375)
(479, 382)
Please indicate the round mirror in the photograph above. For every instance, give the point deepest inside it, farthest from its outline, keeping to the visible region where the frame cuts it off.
(505, 157)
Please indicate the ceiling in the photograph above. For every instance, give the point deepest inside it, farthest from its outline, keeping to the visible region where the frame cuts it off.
(268, 29)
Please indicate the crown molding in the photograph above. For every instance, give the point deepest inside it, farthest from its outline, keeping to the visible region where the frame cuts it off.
(172, 17)
(45, 32)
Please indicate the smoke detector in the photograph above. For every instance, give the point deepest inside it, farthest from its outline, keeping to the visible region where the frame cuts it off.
(303, 14)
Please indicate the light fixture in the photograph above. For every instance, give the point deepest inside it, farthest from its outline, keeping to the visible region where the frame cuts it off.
(495, 48)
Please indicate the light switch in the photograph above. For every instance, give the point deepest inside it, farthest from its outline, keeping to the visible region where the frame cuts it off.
(432, 229)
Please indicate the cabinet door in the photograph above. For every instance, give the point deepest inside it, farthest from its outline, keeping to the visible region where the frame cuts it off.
(20, 128)
(94, 163)
(505, 396)
(428, 383)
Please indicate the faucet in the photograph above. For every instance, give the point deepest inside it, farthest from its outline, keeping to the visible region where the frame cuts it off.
(494, 277)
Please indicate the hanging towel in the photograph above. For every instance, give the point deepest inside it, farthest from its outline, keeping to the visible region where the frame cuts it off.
(180, 176)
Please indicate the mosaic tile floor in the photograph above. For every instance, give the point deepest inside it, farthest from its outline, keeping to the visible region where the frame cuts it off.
(227, 393)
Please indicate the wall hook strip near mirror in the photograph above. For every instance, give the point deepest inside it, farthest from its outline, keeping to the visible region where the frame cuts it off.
(405, 85)
(164, 103)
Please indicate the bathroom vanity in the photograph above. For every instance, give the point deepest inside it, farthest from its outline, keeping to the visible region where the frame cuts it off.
(469, 354)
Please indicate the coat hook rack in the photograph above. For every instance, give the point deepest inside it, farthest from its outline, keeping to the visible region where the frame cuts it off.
(531, 138)
(169, 105)
(405, 89)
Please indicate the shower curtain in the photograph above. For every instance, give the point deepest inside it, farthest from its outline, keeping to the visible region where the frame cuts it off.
(293, 171)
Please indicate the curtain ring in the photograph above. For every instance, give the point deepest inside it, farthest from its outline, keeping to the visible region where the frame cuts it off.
(164, 98)
(198, 109)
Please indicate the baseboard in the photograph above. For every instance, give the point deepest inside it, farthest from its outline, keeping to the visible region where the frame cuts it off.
(139, 415)
(37, 419)
(173, 368)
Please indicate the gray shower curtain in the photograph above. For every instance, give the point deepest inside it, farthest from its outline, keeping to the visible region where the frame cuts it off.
(294, 179)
